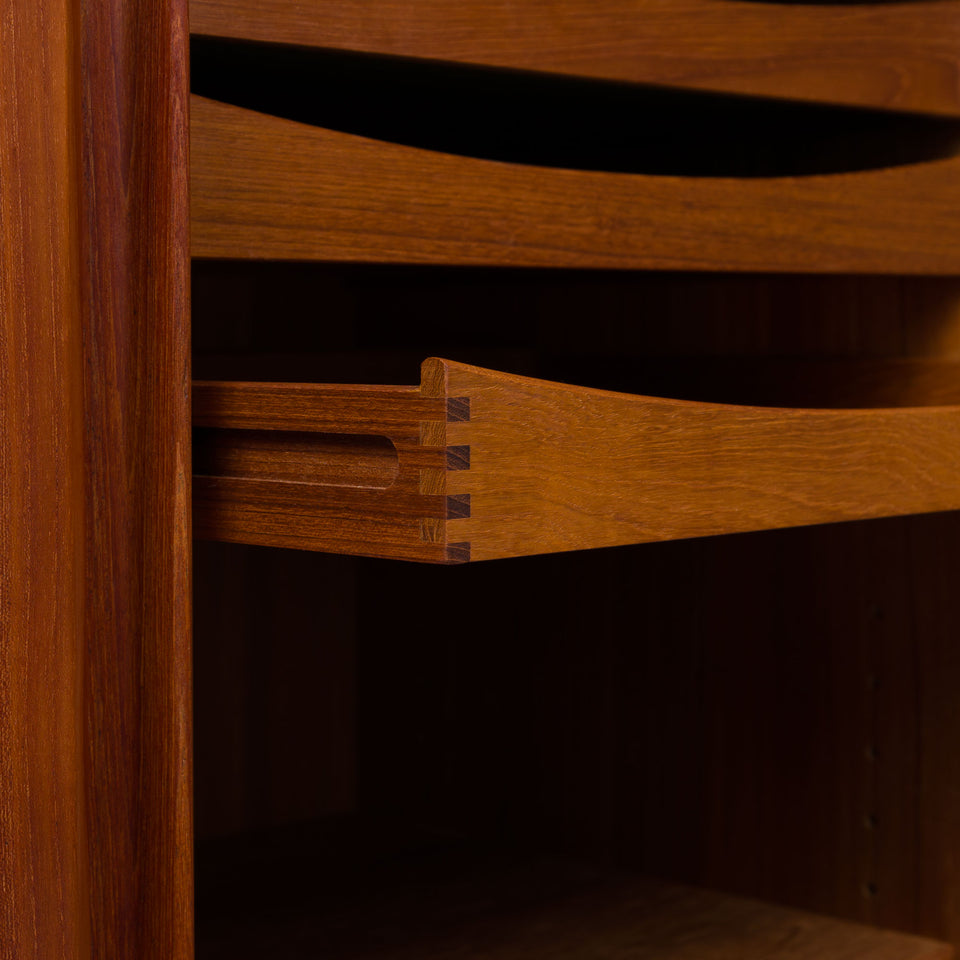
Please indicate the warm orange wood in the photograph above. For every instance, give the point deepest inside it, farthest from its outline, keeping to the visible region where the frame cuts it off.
(554, 467)
(515, 466)
(624, 725)
(135, 285)
(95, 788)
(339, 459)
(44, 883)
(322, 503)
(888, 55)
(389, 899)
(271, 188)
(336, 408)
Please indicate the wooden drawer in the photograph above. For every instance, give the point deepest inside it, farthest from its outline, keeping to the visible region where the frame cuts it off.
(476, 464)
(902, 55)
(272, 188)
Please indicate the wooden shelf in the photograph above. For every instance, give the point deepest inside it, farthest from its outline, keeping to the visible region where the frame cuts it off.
(885, 55)
(443, 900)
(265, 187)
(476, 465)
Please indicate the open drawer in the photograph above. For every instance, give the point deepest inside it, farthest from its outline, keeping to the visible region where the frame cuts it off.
(264, 186)
(475, 465)
(901, 55)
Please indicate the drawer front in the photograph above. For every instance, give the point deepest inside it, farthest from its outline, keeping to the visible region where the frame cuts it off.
(273, 188)
(900, 55)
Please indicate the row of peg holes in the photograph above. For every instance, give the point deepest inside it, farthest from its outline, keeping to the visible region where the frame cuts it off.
(868, 889)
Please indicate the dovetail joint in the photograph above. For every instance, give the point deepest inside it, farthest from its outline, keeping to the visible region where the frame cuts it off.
(458, 458)
(458, 553)
(458, 410)
(458, 506)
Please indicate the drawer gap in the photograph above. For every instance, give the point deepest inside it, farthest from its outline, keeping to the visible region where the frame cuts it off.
(540, 119)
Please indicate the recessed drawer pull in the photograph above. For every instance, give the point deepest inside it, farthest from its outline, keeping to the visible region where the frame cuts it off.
(325, 459)
(493, 465)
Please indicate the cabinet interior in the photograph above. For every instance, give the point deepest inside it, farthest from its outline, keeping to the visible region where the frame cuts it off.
(769, 715)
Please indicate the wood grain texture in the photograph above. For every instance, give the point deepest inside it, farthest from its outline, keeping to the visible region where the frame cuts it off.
(604, 704)
(134, 283)
(331, 459)
(434, 903)
(555, 467)
(326, 504)
(264, 187)
(95, 717)
(44, 885)
(885, 55)
(517, 466)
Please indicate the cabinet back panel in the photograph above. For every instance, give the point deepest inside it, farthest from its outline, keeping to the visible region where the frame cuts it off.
(320, 323)
(767, 714)
(275, 686)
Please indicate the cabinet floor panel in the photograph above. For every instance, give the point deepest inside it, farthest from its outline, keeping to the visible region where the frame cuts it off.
(343, 893)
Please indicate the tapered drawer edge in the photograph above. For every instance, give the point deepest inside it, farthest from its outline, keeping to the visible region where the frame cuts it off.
(476, 464)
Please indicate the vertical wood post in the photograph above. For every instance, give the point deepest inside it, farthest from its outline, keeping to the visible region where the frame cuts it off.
(95, 733)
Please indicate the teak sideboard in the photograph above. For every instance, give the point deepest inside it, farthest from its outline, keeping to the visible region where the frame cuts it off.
(479, 480)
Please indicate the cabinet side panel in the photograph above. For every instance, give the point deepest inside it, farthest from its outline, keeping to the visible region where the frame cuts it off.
(136, 405)
(43, 894)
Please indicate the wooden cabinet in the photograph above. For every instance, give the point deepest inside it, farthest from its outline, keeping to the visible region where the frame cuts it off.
(95, 723)
(482, 465)
(753, 714)
(694, 268)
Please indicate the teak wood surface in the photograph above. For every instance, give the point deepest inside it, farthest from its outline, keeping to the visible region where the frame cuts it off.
(95, 707)
(492, 465)
(264, 187)
(44, 886)
(902, 55)
(240, 495)
(650, 666)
